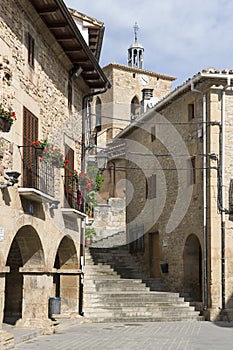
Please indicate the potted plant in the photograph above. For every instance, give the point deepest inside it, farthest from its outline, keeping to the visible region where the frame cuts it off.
(40, 146)
(89, 234)
(72, 181)
(91, 202)
(54, 156)
(7, 118)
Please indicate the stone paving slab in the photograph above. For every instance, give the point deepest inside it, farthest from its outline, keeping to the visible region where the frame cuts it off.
(137, 336)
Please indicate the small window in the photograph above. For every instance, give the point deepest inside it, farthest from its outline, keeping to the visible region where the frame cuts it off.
(191, 111)
(153, 133)
(70, 94)
(192, 171)
(151, 185)
(31, 51)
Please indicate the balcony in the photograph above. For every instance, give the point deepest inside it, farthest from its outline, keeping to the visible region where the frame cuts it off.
(38, 177)
(73, 197)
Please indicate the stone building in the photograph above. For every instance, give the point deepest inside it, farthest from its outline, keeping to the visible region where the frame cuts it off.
(178, 160)
(47, 73)
(133, 90)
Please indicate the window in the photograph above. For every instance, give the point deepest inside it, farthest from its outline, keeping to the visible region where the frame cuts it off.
(31, 50)
(231, 200)
(134, 109)
(192, 171)
(98, 113)
(36, 174)
(151, 187)
(153, 133)
(191, 111)
(71, 184)
(70, 93)
(30, 164)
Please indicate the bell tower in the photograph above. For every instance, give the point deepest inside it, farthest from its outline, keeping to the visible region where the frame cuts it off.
(136, 51)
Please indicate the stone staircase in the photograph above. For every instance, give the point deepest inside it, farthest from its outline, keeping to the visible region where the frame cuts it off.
(120, 295)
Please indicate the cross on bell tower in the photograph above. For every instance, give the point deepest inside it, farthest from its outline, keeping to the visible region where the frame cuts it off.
(136, 29)
(136, 51)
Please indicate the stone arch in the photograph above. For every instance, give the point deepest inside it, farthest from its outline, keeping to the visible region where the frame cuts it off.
(66, 280)
(98, 113)
(134, 108)
(25, 252)
(192, 258)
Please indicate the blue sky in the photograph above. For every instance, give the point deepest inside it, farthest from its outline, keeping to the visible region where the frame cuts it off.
(180, 37)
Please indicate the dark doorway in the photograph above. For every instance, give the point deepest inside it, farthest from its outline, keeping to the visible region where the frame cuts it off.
(14, 286)
(154, 256)
(193, 268)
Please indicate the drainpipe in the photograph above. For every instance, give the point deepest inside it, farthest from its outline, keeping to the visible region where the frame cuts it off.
(222, 164)
(204, 119)
(205, 202)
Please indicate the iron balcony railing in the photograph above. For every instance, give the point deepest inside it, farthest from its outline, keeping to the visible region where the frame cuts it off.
(37, 174)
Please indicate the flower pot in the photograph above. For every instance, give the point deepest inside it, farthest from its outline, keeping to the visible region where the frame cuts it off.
(39, 151)
(5, 125)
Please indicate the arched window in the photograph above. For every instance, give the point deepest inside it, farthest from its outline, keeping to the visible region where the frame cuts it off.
(98, 113)
(135, 109)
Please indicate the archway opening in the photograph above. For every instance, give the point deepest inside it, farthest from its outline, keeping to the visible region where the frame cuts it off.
(66, 284)
(25, 251)
(193, 268)
(134, 109)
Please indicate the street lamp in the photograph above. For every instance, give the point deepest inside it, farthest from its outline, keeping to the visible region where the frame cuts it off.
(102, 160)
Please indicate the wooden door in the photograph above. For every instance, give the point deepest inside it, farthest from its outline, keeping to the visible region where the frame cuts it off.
(154, 256)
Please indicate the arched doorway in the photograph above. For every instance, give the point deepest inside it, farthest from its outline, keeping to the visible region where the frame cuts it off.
(66, 280)
(193, 268)
(25, 251)
(134, 109)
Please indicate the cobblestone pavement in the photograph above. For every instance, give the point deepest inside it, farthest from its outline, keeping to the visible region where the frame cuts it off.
(137, 336)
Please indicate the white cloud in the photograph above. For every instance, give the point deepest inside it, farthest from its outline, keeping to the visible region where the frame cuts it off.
(180, 37)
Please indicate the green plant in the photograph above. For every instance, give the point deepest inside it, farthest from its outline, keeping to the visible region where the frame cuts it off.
(91, 201)
(90, 232)
(7, 114)
(97, 177)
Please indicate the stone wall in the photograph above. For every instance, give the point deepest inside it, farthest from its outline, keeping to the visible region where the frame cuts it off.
(171, 180)
(40, 247)
(109, 218)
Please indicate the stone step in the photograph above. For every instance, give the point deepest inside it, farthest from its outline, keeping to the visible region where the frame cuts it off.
(115, 290)
(142, 319)
(117, 313)
(147, 304)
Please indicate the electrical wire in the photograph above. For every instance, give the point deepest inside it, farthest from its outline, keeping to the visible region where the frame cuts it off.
(159, 123)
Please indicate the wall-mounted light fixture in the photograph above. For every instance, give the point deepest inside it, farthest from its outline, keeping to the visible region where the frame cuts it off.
(12, 179)
(54, 205)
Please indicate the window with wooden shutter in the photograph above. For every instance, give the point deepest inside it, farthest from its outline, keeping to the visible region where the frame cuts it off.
(71, 185)
(30, 163)
(31, 50)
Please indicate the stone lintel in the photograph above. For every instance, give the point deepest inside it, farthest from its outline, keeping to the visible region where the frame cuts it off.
(5, 269)
(67, 271)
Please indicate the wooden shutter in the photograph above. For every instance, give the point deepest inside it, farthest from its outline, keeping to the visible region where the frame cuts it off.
(71, 197)
(30, 134)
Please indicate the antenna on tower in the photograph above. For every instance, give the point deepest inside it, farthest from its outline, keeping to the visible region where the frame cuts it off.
(136, 29)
